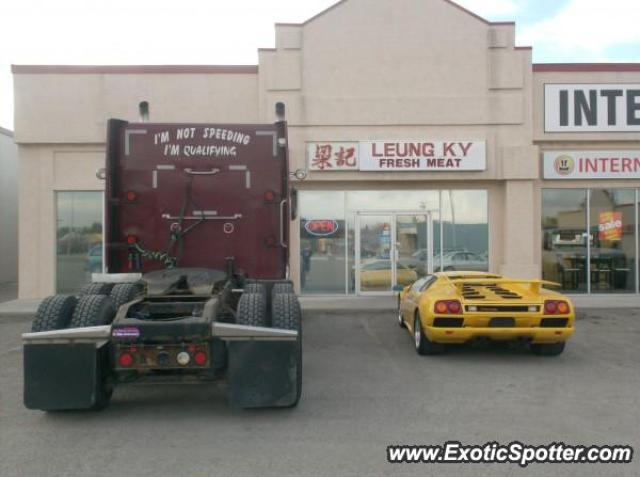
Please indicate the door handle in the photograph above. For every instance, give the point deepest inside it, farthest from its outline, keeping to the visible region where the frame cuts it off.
(201, 173)
(282, 205)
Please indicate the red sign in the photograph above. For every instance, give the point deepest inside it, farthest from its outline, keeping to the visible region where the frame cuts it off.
(610, 226)
(321, 228)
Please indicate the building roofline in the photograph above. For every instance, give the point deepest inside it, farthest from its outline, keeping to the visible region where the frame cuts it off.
(450, 2)
(585, 67)
(6, 132)
(133, 69)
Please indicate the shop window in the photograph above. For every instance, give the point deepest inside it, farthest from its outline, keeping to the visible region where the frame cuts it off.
(601, 259)
(78, 239)
(564, 238)
(613, 240)
(322, 242)
(465, 231)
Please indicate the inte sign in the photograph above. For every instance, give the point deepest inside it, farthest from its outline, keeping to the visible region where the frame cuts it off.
(591, 107)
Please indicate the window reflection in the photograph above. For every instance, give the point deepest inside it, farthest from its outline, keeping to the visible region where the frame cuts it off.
(465, 231)
(613, 244)
(78, 239)
(322, 242)
(322, 263)
(564, 238)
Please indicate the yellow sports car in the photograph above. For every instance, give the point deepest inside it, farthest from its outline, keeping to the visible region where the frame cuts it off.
(377, 274)
(456, 307)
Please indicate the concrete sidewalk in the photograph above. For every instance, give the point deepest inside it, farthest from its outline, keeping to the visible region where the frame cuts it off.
(353, 303)
(29, 307)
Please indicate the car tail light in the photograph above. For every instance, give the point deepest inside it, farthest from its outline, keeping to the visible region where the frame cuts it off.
(200, 358)
(444, 307)
(454, 307)
(125, 359)
(555, 307)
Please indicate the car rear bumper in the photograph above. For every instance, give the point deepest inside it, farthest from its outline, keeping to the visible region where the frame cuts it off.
(533, 334)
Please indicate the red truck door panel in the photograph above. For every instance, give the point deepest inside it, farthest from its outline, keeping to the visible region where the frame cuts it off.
(196, 194)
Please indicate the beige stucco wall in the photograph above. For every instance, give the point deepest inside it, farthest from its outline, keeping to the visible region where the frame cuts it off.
(8, 208)
(74, 108)
(362, 70)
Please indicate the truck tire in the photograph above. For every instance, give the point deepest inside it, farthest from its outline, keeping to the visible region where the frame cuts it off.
(255, 288)
(54, 313)
(95, 289)
(281, 288)
(122, 293)
(285, 311)
(93, 310)
(287, 314)
(252, 309)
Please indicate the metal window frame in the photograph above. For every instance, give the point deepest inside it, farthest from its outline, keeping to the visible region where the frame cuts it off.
(393, 214)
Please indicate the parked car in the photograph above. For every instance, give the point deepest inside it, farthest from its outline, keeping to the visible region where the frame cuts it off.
(377, 274)
(458, 307)
(467, 261)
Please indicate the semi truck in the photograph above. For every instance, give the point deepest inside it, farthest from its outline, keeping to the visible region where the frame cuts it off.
(194, 286)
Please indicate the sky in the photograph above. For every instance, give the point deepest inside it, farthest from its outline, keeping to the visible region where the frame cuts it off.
(230, 32)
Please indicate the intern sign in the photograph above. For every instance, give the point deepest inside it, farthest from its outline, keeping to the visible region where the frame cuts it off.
(592, 165)
(591, 107)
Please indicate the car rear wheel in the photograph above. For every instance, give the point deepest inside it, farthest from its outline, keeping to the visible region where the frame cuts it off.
(401, 322)
(548, 349)
(423, 345)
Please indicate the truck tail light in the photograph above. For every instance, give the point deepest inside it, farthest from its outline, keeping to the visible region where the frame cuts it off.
(200, 358)
(269, 196)
(132, 239)
(448, 307)
(125, 359)
(556, 307)
(131, 196)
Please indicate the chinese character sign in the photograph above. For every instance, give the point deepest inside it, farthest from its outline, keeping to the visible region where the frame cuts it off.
(332, 156)
(610, 226)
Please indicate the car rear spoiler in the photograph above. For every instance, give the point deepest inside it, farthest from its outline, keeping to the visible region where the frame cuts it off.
(534, 284)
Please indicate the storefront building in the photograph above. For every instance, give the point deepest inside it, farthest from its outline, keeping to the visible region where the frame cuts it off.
(424, 149)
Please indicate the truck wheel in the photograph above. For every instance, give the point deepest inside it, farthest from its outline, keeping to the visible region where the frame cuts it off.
(255, 288)
(423, 345)
(286, 314)
(54, 313)
(252, 309)
(93, 310)
(547, 349)
(281, 288)
(285, 311)
(95, 289)
(122, 293)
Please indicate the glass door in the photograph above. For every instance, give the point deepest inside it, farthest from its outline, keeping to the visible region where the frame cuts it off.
(391, 249)
(414, 247)
(374, 270)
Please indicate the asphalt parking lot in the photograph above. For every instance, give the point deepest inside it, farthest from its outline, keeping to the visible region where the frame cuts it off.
(364, 388)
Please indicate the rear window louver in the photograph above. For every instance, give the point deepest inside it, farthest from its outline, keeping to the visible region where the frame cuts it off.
(471, 292)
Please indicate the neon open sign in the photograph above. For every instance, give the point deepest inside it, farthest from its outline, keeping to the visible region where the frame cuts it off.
(321, 228)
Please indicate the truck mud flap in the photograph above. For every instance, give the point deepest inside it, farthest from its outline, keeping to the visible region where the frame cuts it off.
(62, 376)
(263, 373)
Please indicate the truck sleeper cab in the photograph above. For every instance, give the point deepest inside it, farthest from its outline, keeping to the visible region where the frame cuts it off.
(195, 286)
